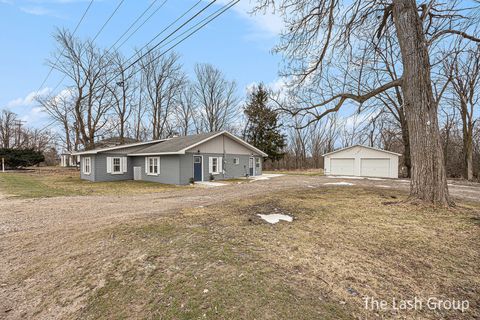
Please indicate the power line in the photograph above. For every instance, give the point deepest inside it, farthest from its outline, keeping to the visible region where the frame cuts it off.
(141, 25)
(201, 24)
(108, 20)
(171, 33)
(58, 58)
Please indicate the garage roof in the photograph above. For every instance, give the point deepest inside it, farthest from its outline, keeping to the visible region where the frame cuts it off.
(362, 146)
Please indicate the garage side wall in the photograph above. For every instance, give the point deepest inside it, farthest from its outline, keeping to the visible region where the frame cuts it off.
(359, 153)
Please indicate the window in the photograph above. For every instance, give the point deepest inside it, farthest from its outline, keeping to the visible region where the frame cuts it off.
(236, 160)
(215, 165)
(87, 165)
(153, 165)
(197, 159)
(257, 162)
(117, 167)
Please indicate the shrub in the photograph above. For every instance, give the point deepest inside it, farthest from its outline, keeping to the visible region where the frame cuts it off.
(15, 158)
(191, 181)
(212, 177)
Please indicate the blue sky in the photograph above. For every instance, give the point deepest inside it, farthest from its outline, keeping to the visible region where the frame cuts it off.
(237, 43)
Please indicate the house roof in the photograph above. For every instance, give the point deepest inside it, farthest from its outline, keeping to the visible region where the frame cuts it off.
(359, 145)
(118, 147)
(179, 145)
(176, 145)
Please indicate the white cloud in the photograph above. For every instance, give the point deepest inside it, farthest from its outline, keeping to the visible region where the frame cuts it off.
(36, 11)
(263, 25)
(28, 100)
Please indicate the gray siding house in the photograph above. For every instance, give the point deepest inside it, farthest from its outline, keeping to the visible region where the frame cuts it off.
(174, 161)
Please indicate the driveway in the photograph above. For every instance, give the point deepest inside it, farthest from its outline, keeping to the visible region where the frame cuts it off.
(32, 228)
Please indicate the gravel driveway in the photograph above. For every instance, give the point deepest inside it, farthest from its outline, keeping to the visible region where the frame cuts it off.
(31, 228)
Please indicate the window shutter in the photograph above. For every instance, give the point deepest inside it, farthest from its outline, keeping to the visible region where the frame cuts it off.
(158, 159)
(82, 164)
(210, 165)
(109, 165)
(146, 164)
(220, 164)
(124, 165)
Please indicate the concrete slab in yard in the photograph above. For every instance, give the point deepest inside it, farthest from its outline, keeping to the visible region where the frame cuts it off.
(209, 184)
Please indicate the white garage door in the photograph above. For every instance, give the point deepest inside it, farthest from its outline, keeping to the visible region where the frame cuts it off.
(375, 168)
(342, 166)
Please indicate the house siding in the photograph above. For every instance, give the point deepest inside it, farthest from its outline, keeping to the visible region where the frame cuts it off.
(91, 176)
(169, 169)
(231, 170)
(101, 168)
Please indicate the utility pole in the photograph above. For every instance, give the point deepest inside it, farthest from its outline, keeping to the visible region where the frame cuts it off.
(3, 164)
(18, 135)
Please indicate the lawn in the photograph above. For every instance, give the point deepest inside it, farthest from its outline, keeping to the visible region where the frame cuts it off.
(223, 262)
(54, 182)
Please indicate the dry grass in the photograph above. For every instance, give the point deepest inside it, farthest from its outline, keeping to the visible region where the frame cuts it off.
(53, 182)
(223, 262)
(301, 172)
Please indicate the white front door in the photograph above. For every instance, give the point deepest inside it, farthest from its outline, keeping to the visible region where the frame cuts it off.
(137, 173)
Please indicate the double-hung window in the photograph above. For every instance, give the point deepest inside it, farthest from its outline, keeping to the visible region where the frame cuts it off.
(215, 165)
(116, 165)
(236, 160)
(153, 165)
(87, 165)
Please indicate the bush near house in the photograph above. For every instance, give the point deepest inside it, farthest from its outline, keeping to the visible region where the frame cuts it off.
(15, 158)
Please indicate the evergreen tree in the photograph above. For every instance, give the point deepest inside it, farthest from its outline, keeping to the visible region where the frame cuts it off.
(263, 128)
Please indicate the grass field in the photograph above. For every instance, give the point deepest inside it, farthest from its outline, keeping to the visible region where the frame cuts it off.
(52, 182)
(223, 262)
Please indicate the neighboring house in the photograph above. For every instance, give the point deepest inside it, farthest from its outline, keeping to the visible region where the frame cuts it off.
(174, 161)
(67, 159)
(361, 161)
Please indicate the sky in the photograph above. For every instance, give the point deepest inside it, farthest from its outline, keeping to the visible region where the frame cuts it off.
(237, 42)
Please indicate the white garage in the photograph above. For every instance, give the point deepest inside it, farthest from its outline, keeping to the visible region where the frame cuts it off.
(362, 161)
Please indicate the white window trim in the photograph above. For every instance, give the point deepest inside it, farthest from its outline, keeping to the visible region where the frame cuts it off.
(120, 165)
(84, 167)
(219, 169)
(147, 169)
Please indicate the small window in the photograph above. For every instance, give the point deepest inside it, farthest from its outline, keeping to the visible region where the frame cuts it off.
(153, 167)
(87, 165)
(236, 160)
(197, 159)
(214, 165)
(257, 162)
(117, 167)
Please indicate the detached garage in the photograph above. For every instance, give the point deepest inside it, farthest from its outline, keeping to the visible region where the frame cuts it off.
(362, 161)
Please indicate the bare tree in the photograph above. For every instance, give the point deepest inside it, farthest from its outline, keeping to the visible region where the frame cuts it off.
(8, 120)
(60, 108)
(185, 112)
(123, 93)
(215, 97)
(317, 34)
(88, 69)
(466, 83)
(162, 79)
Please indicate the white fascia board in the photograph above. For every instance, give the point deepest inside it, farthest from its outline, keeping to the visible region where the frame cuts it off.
(359, 145)
(153, 154)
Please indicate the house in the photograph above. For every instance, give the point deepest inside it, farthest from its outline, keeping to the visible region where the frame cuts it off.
(177, 160)
(67, 159)
(362, 161)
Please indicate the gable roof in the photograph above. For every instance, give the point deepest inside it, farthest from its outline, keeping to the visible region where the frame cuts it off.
(362, 146)
(179, 145)
(118, 147)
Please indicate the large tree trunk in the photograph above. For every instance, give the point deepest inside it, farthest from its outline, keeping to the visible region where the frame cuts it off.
(407, 161)
(429, 180)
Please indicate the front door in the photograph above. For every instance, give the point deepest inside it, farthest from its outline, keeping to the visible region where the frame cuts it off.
(251, 166)
(197, 168)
